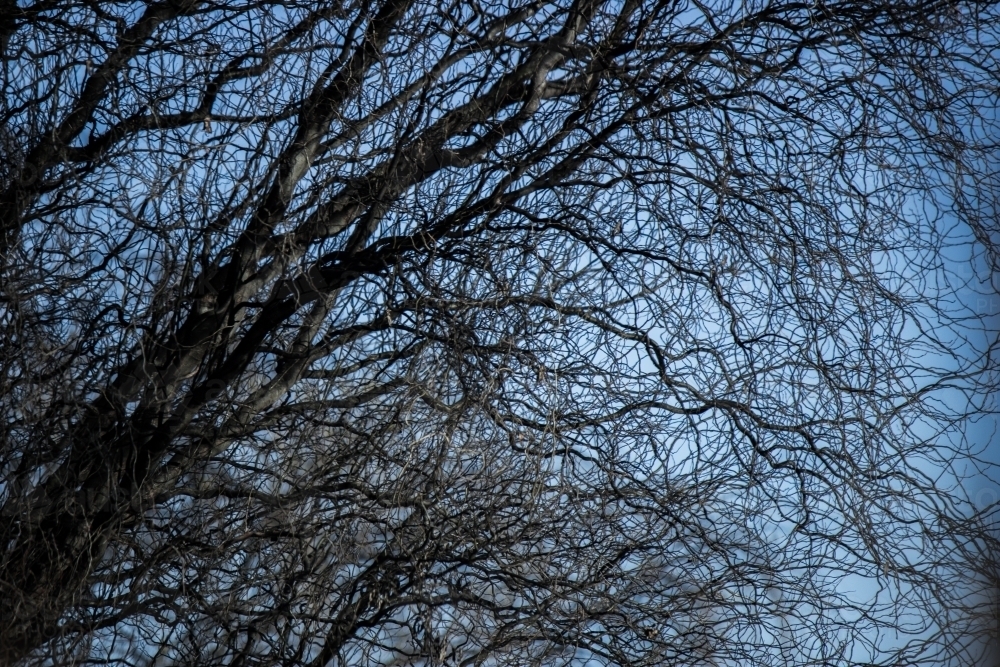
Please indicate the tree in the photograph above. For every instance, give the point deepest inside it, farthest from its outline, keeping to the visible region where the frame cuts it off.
(522, 332)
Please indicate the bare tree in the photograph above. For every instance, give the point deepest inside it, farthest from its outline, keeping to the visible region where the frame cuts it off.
(524, 332)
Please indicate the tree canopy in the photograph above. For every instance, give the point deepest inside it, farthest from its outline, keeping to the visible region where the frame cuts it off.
(500, 332)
